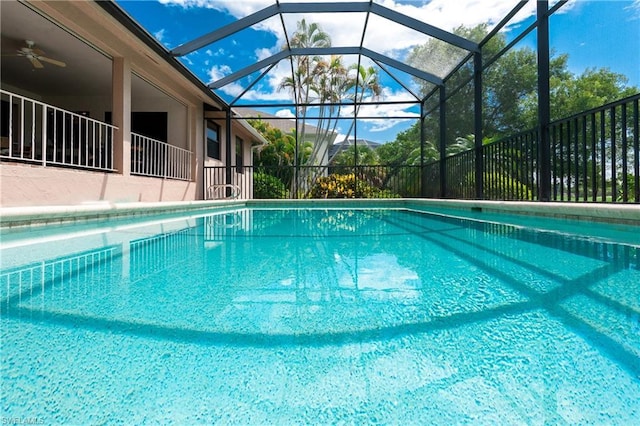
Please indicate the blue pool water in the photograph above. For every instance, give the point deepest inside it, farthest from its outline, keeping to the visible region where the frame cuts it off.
(319, 316)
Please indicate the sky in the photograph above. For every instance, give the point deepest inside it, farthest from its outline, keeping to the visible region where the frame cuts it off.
(595, 34)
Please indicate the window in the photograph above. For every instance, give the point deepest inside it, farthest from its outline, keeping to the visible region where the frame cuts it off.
(152, 125)
(213, 140)
(239, 155)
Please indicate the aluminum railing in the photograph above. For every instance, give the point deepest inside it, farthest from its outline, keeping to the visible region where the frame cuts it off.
(151, 157)
(595, 157)
(379, 181)
(35, 132)
(222, 191)
(216, 186)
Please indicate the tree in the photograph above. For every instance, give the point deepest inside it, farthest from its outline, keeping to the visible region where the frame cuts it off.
(405, 150)
(280, 149)
(310, 80)
(506, 83)
(365, 157)
(366, 84)
(327, 82)
(591, 89)
(277, 158)
(510, 100)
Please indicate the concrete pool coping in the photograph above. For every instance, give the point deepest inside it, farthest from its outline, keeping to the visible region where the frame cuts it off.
(12, 217)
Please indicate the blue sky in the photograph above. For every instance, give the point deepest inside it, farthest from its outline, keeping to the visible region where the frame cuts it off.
(603, 33)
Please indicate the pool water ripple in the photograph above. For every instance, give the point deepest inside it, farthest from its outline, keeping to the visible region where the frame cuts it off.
(322, 316)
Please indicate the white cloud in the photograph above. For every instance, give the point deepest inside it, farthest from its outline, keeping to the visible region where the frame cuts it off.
(634, 10)
(186, 60)
(237, 9)
(383, 35)
(263, 53)
(159, 35)
(345, 29)
(285, 113)
(217, 72)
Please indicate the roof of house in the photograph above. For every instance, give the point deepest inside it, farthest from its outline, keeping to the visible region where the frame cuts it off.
(143, 35)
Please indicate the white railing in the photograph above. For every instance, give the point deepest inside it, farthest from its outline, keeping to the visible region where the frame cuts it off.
(151, 157)
(35, 132)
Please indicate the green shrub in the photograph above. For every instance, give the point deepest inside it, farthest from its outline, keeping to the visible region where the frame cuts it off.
(347, 186)
(268, 187)
(496, 186)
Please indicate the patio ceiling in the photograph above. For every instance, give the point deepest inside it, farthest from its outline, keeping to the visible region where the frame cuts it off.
(87, 71)
(360, 46)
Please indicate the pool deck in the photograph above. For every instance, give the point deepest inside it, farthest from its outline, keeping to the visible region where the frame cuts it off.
(12, 217)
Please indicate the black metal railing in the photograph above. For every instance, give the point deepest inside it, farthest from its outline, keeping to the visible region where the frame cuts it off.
(379, 181)
(595, 154)
(595, 157)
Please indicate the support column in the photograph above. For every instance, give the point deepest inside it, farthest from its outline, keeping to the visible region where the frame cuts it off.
(477, 124)
(544, 115)
(121, 115)
(296, 166)
(423, 176)
(195, 122)
(228, 155)
(355, 148)
(443, 142)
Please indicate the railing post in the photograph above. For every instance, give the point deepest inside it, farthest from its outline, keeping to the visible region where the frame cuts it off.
(44, 135)
(544, 116)
(165, 148)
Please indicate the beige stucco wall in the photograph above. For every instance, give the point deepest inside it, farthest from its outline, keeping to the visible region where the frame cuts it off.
(33, 185)
(160, 88)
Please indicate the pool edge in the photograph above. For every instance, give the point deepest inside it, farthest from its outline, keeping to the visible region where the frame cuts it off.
(12, 217)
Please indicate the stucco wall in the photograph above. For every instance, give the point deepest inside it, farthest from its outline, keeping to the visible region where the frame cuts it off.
(26, 185)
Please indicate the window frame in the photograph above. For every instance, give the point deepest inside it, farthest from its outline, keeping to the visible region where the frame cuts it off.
(211, 144)
(239, 155)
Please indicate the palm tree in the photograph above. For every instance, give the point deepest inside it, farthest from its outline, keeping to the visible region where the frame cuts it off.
(305, 68)
(303, 83)
(364, 83)
(328, 82)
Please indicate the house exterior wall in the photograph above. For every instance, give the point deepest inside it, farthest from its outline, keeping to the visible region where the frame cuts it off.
(35, 184)
(28, 185)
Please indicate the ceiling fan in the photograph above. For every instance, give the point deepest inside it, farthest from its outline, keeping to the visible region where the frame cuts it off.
(35, 55)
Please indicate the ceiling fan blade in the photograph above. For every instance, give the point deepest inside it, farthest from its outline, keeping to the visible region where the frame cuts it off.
(36, 63)
(52, 61)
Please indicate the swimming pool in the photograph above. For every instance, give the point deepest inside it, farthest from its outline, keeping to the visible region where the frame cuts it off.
(320, 315)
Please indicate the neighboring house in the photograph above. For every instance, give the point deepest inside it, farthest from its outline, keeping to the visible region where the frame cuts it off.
(93, 108)
(338, 147)
(288, 125)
